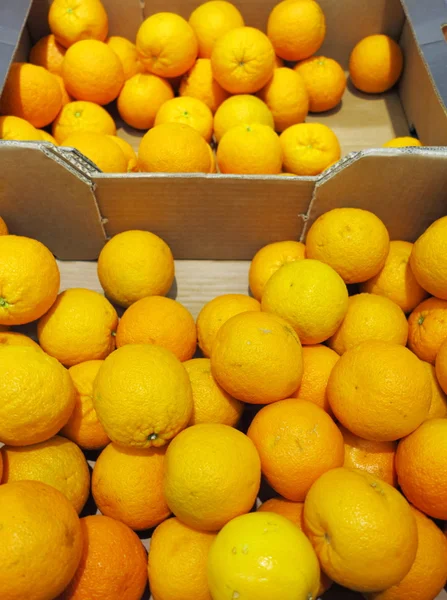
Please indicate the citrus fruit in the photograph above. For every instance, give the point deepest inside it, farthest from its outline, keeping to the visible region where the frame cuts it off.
(141, 98)
(113, 562)
(178, 562)
(82, 116)
(12, 338)
(167, 45)
(3, 227)
(243, 60)
(309, 148)
(262, 555)
(15, 128)
(213, 167)
(128, 152)
(83, 427)
(402, 142)
(127, 485)
(438, 406)
(325, 82)
(100, 149)
(66, 98)
(56, 462)
(47, 137)
(127, 54)
(421, 465)
(142, 396)
(199, 83)
(427, 328)
(92, 71)
(217, 312)
(241, 110)
(428, 261)
(39, 528)
(375, 64)
(380, 391)
(74, 20)
(441, 366)
(257, 358)
(211, 21)
(231, 462)
(318, 362)
(48, 53)
(310, 295)
(135, 264)
(188, 111)
(287, 98)
(31, 93)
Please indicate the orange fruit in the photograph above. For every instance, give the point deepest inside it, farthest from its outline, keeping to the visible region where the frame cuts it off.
(92, 71)
(31, 93)
(128, 152)
(212, 404)
(249, 150)
(66, 98)
(257, 358)
(15, 128)
(428, 259)
(141, 98)
(56, 462)
(100, 149)
(12, 338)
(362, 529)
(438, 406)
(47, 137)
(296, 28)
(402, 142)
(375, 64)
(3, 227)
(188, 111)
(380, 391)
(376, 458)
(268, 260)
(287, 98)
(127, 485)
(297, 442)
(213, 167)
(82, 116)
(325, 82)
(421, 463)
(40, 528)
(233, 477)
(74, 20)
(48, 53)
(396, 280)
(178, 562)
(441, 366)
(217, 312)
(83, 427)
(241, 110)
(199, 83)
(29, 280)
(309, 148)
(243, 60)
(427, 328)
(174, 148)
(127, 54)
(211, 21)
(318, 362)
(352, 241)
(79, 326)
(167, 45)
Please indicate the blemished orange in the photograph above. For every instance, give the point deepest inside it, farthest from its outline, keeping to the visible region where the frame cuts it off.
(269, 259)
(243, 60)
(396, 280)
(353, 241)
(100, 149)
(40, 528)
(233, 469)
(141, 98)
(15, 128)
(427, 328)
(428, 259)
(29, 280)
(135, 264)
(31, 93)
(296, 28)
(178, 559)
(128, 151)
(80, 326)
(362, 529)
(241, 109)
(441, 366)
(421, 463)
(174, 148)
(217, 312)
(113, 562)
(325, 82)
(376, 64)
(92, 71)
(47, 137)
(318, 362)
(3, 227)
(211, 21)
(83, 426)
(297, 442)
(82, 116)
(428, 572)
(188, 111)
(199, 83)
(12, 338)
(66, 98)
(212, 404)
(438, 406)
(287, 98)
(252, 149)
(309, 148)
(167, 45)
(127, 485)
(74, 20)
(127, 53)
(380, 391)
(48, 53)
(402, 142)
(57, 462)
(257, 358)
(376, 458)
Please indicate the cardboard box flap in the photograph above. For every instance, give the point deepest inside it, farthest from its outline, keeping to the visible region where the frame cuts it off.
(13, 16)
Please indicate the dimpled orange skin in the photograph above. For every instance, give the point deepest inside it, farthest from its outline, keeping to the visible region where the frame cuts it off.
(82, 116)
(127, 54)
(325, 82)
(48, 53)
(428, 259)
(309, 148)
(100, 150)
(438, 406)
(441, 366)
(72, 20)
(211, 20)
(15, 128)
(231, 462)
(427, 328)
(141, 98)
(380, 391)
(375, 64)
(188, 111)
(12, 338)
(199, 83)
(128, 152)
(287, 98)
